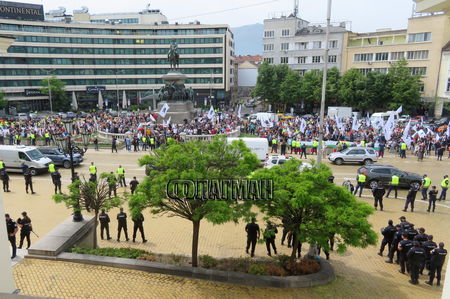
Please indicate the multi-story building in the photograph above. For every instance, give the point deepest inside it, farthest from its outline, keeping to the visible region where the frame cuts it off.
(111, 53)
(245, 75)
(420, 44)
(301, 45)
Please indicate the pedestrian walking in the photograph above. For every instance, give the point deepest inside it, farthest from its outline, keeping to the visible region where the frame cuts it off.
(416, 257)
(388, 237)
(138, 221)
(432, 195)
(133, 185)
(114, 145)
(410, 198)
(25, 229)
(121, 176)
(378, 194)
(437, 261)
(253, 234)
(444, 186)
(56, 179)
(96, 143)
(5, 179)
(269, 237)
(426, 182)
(11, 229)
(104, 224)
(122, 222)
(395, 179)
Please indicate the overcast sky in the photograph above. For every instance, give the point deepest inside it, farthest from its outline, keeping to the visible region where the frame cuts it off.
(365, 15)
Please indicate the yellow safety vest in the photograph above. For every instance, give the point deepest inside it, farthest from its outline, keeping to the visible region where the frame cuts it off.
(51, 168)
(427, 182)
(47, 135)
(92, 169)
(315, 143)
(361, 178)
(17, 136)
(444, 183)
(120, 171)
(32, 136)
(363, 143)
(2, 165)
(144, 139)
(170, 139)
(403, 146)
(274, 141)
(395, 180)
(152, 140)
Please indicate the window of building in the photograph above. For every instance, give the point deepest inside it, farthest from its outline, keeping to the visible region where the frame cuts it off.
(268, 47)
(418, 70)
(422, 87)
(397, 55)
(285, 32)
(284, 60)
(284, 46)
(269, 33)
(381, 56)
(301, 46)
(316, 59)
(417, 55)
(301, 72)
(381, 70)
(363, 57)
(332, 58)
(419, 37)
(448, 84)
(317, 45)
(333, 44)
(301, 59)
(269, 60)
(365, 71)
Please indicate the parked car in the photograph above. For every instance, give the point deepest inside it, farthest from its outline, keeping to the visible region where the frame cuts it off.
(71, 115)
(60, 158)
(22, 116)
(33, 115)
(14, 157)
(364, 155)
(383, 173)
(62, 115)
(278, 160)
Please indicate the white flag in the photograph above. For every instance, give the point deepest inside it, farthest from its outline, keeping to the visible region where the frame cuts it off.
(164, 110)
(406, 132)
(389, 127)
(152, 118)
(211, 112)
(399, 110)
(355, 124)
(303, 125)
(239, 111)
(448, 130)
(368, 123)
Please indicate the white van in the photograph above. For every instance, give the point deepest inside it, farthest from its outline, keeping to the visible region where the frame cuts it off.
(14, 156)
(383, 115)
(258, 146)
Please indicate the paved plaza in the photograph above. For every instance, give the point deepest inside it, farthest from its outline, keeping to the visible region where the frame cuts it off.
(361, 272)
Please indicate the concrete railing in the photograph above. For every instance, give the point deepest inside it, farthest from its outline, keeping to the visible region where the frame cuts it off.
(106, 135)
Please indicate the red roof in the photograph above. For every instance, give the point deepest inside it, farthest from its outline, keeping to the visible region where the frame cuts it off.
(250, 58)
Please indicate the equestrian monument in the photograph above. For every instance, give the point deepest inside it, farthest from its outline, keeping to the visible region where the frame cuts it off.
(174, 92)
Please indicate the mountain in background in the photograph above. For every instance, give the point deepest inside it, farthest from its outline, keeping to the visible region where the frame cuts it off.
(248, 39)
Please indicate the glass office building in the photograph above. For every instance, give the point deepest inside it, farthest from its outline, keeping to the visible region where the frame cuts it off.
(86, 50)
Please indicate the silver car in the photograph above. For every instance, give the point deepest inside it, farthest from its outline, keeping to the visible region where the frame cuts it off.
(364, 155)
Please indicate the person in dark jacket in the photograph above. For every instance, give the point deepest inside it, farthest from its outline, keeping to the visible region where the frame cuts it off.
(104, 224)
(56, 179)
(437, 261)
(11, 229)
(138, 225)
(5, 180)
(410, 198)
(253, 234)
(122, 221)
(432, 196)
(388, 237)
(416, 257)
(25, 229)
(403, 247)
(428, 245)
(378, 194)
(269, 237)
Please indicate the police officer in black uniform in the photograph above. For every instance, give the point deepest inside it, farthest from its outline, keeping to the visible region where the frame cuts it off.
(269, 237)
(122, 220)
(403, 223)
(388, 237)
(403, 247)
(25, 229)
(394, 247)
(416, 257)
(5, 179)
(378, 194)
(104, 224)
(421, 236)
(428, 245)
(437, 261)
(138, 221)
(412, 233)
(28, 180)
(56, 179)
(133, 185)
(11, 229)
(410, 198)
(253, 232)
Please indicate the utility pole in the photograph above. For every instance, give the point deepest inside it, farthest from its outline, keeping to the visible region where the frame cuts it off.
(324, 87)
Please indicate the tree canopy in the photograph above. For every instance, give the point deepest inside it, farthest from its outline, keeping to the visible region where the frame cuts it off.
(194, 160)
(60, 101)
(315, 209)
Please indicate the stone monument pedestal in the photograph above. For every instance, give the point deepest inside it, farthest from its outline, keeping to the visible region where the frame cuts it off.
(178, 112)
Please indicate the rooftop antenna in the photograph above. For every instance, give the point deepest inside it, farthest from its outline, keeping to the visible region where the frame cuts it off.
(295, 13)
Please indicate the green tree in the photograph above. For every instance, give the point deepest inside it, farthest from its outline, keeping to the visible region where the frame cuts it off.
(290, 89)
(352, 90)
(194, 160)
(311, 88)
(86, 195)
(60, 101)
(378, 91)
(333, 81)
(268, 83)
(405, 88)
(3, 101)
(315, 209)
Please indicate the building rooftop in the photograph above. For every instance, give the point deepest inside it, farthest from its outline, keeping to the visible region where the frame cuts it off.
(249, 58)
(446, 47)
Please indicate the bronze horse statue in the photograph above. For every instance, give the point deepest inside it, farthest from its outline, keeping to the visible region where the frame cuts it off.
(173, 56)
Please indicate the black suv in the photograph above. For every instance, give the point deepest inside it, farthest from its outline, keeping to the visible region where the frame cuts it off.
(383, 173)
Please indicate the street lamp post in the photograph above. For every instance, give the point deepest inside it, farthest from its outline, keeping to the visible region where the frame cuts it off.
(66, 144)
(49, 89)
(324, 87)
(85, 135)
(117, 86)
